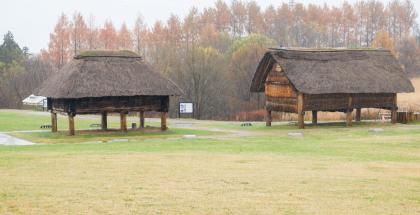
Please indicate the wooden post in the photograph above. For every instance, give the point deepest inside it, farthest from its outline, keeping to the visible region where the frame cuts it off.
(394, 110)
(141, 114)
(163, 121)
(104, 121)
(268, 118)
(358, 114)
(349, 118)
(314, 117)
(53, 122)
(301, 112)
(71, 124)
(123, 121)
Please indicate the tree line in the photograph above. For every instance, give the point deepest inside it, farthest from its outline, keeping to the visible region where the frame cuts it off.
(212, 53)
(20, 72)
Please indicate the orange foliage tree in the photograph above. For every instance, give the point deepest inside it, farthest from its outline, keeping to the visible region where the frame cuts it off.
(108, 37)
(58, 47)
(79, 33)
(125, 39)
(384, 40)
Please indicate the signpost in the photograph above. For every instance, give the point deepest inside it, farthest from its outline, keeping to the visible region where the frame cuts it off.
(186, 108)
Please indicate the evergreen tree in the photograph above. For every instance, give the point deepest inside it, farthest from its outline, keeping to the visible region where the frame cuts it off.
(10, 51)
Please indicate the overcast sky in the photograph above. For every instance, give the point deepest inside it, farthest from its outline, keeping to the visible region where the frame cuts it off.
(31, 21)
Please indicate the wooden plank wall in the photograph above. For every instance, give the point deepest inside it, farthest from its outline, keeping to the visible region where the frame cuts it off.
(280, 94)
(325, 102)
(339, 102)
(112, 104)
(378, 100)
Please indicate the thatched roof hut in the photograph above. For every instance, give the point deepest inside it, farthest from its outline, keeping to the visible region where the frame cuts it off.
(298, 80)
(107, 73)
(108, 81)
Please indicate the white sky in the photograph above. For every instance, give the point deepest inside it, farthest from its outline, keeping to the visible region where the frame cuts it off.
(31, 21)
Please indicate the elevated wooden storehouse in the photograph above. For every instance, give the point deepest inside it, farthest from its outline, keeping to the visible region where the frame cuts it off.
(299, 80)
(107, 82)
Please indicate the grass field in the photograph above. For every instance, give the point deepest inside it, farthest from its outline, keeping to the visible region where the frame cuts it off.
(234, 170)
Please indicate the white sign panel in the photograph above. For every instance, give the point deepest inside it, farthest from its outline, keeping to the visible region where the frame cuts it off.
(186, 107)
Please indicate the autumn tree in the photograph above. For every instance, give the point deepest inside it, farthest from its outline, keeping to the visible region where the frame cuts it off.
(156, 44)
(125, 40)
(173, 45)
(269, 20)
(384, 40)
(92, 34)
(348, 25)
(409, 56)
(58, 48)
(282, 25)
(222, 16)
(108, 36)
(79, 33)
(139, 35)
(254, 23)
(238, 17)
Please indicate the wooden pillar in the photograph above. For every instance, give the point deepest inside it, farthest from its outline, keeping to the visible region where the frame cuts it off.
(301, 112)
(123, 121)
(71, 124)
(141, 115)
(163, 126)
(358, 114)
(53, 122)
(268, 118)
(314, 117)
(349, 118)
(394, 110)
(104, 121)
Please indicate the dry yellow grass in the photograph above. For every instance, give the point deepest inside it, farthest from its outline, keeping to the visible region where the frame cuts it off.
(202, 183)
(411, 100)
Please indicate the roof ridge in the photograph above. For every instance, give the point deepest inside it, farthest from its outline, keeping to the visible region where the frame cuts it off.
(299, 49)
(107, 53)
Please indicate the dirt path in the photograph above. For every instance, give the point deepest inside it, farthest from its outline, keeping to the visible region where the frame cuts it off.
(13, 141)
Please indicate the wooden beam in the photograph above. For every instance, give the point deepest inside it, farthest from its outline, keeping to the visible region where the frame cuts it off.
(301, 112)
(141, 115)
(123, 121)
(104, 121)
(314, 117)
(268, 118)
(53, 122)
(349, 118)
(358, 114)
(163, 126)
(394, 110)
(71, 124)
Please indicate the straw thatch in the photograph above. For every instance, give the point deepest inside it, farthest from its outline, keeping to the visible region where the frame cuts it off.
(335, 71)
(105, 74)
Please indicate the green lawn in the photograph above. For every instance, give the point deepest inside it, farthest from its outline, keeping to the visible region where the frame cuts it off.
(330, 170)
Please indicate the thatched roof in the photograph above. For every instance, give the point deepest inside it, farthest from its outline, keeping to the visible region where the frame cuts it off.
(327, 71)
(107, 73)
